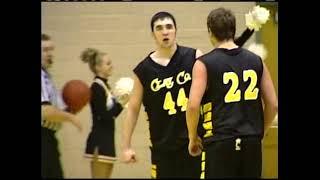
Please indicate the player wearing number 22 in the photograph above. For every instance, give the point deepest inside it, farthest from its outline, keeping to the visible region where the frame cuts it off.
(231, 82)
(162, 83)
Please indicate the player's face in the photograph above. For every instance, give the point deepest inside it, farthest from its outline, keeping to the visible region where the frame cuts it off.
(105, 66)
(164, 32)
(47, 48)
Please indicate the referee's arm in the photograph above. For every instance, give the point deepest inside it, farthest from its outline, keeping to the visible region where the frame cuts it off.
(53, 114)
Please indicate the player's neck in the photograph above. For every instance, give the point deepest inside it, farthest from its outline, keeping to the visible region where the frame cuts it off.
(163, 56)
(229, 44)
(165, 52)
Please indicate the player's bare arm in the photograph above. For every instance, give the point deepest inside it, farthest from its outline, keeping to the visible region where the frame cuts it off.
(198, 87)
(269, 98)
(128, 155)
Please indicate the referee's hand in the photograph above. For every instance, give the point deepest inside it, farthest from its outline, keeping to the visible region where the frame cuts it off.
(76, 122)
(195, 146)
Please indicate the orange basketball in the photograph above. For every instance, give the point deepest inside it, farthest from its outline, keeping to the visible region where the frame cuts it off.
(76, 94)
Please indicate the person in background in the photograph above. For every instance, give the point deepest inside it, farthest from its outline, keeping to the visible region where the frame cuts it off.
(105, 107)
(53, 114)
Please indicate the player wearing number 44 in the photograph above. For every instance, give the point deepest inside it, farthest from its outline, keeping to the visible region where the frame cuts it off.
(162, 82)
(232, 84)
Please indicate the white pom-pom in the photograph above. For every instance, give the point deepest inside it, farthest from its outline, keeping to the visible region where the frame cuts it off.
(258, 49)
(123, 86)
(260, 14)
(257, 17)
(250, 23)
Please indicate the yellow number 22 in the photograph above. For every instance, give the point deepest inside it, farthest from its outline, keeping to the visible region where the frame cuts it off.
(234, 94)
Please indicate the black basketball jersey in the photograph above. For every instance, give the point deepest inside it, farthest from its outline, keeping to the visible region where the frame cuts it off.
(165, 97)
(232, 106)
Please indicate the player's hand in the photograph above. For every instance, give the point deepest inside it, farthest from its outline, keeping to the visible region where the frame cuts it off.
(128, 156)
(195, 146)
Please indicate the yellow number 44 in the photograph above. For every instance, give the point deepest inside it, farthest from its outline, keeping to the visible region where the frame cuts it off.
(169, 104)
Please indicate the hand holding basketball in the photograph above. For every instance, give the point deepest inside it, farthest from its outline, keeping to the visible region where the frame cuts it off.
(75, 121)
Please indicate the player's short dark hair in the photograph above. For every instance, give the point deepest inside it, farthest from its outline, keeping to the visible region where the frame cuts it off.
(45, 37)
(221, 23)
(161, 15)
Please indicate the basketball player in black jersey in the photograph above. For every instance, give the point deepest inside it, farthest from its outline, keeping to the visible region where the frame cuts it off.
(162, 82)
(238, 104)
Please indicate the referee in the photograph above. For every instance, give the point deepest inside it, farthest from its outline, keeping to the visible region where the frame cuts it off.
(52, 115)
